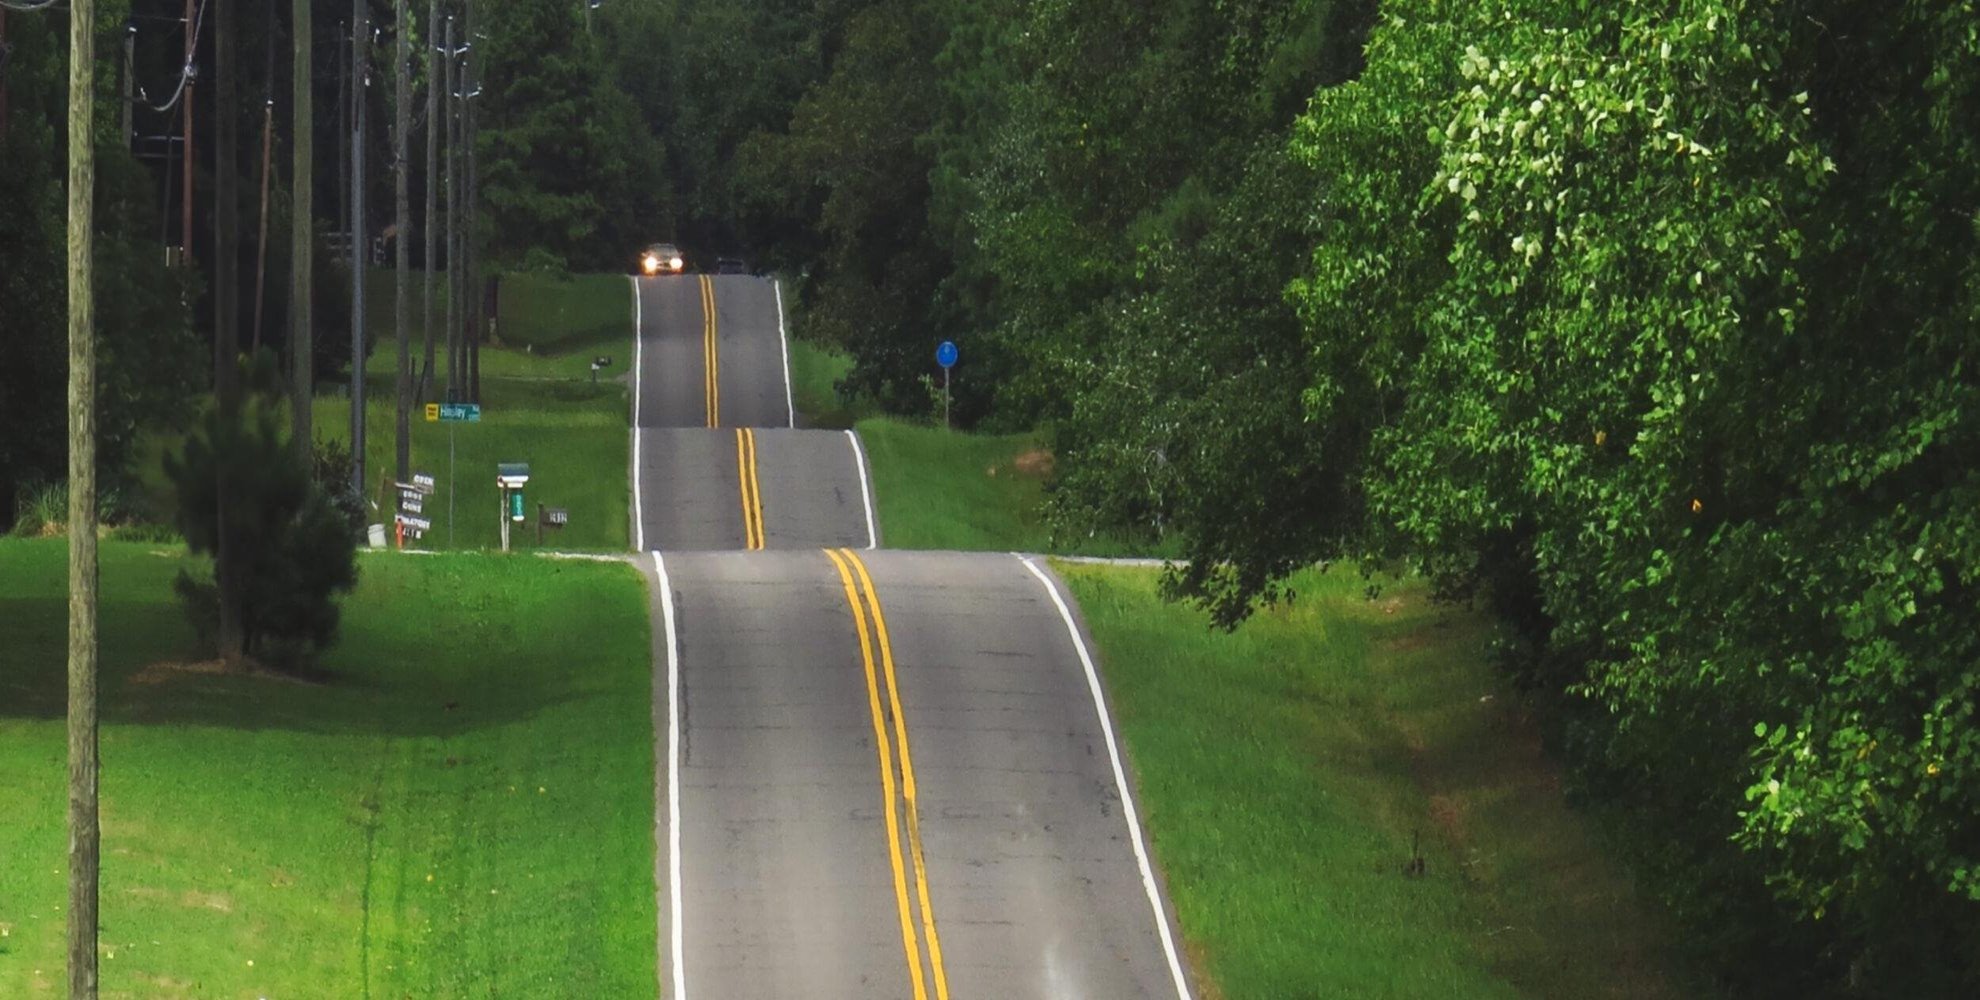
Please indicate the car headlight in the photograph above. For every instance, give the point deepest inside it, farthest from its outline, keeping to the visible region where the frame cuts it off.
(651, 264)
(676, 263)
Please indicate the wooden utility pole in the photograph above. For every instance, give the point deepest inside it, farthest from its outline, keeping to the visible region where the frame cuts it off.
(186, 147)
(3, 76)
(301, 227)
(226, 319)
(401, 124)
(85, 836)
(453, 183)
(226, 165)
(469, 307)
(432, 186)
(261, 243)
(359, 236)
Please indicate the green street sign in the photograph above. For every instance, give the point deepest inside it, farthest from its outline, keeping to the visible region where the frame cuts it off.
(470, 412)
(515, 505)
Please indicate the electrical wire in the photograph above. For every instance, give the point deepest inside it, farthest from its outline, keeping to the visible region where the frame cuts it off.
(186, 73)
(30, 6)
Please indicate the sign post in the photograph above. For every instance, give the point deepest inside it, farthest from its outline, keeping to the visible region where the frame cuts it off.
(451, 414)
(945, 355)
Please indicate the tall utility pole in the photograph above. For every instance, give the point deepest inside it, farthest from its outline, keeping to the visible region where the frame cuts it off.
(301, 227)
(226, 318)
(85, 836)
(261, 243)
(401, 124)
(470, 292)
(432, 185)
(226, 156)
(267, 169)
(360, 240)
(453, 254)
(186, 147)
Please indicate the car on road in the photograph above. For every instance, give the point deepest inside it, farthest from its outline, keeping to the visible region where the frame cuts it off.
(730, 265)
(662, 258)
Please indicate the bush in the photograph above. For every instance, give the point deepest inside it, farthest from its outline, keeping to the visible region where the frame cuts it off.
(292, 548)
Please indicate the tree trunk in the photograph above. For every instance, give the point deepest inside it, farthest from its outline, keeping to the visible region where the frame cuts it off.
(85, 841)
(226, 314)
(302, 226)
(401, 123)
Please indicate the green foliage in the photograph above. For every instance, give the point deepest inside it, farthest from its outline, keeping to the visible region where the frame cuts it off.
(147, 353)
(1672, 354)
(294, 546)
(568, 163)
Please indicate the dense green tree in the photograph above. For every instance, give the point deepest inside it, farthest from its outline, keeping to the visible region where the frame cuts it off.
(568, 168)
(1668, 317)
(296, 549)
(147, 353)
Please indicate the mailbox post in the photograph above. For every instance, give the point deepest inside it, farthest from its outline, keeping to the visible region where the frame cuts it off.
(510, 478)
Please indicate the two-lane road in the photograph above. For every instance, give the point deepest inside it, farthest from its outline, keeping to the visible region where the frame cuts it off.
(895, 776)
(882, 775)
(718, 461)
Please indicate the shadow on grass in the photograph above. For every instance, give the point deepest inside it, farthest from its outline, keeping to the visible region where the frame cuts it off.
(432, 646)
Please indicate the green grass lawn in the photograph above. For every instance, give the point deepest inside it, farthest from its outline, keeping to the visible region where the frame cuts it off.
(940, 489)
(548, 313)
(572, 434)
(539, 405)
(1286, 769)
(815, 373)
(464, 809)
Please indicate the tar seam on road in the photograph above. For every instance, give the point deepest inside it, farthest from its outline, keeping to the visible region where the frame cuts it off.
(673, 779)
(1120, 778)
(784, 341)
(865, 490)
(639, 376)
(841, 560)
(710, 355)
(752, 489)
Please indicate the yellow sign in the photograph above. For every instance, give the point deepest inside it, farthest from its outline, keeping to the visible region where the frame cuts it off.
(433, 412)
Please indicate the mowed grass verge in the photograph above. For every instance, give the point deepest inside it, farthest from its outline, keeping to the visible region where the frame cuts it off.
(540, 405)
(574, 435)
(1289, 770)
(464, 808)
(934, 488)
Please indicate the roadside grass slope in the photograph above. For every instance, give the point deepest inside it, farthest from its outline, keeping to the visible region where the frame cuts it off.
(934, 488)
(463, 806)
(1289, 770)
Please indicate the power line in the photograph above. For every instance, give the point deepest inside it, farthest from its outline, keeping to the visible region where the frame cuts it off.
(186, 73)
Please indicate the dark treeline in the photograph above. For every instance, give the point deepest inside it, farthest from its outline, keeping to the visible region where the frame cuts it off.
(1653, 328)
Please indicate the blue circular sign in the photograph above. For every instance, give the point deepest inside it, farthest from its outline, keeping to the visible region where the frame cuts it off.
(945, 355)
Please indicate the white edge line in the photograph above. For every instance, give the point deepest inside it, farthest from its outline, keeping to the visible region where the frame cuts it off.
(1120, 779)
(865, 491)
(784, 340)
(639, 375)
(673, 779)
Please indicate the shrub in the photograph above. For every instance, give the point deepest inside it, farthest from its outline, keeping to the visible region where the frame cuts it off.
(293, 549)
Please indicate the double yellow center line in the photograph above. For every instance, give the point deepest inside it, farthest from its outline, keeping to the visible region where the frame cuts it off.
(900, 795)
(710, 361)
(752, 491)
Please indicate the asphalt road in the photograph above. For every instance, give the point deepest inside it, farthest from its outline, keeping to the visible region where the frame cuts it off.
(881, 774)
(796, 866)
(717, 462)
